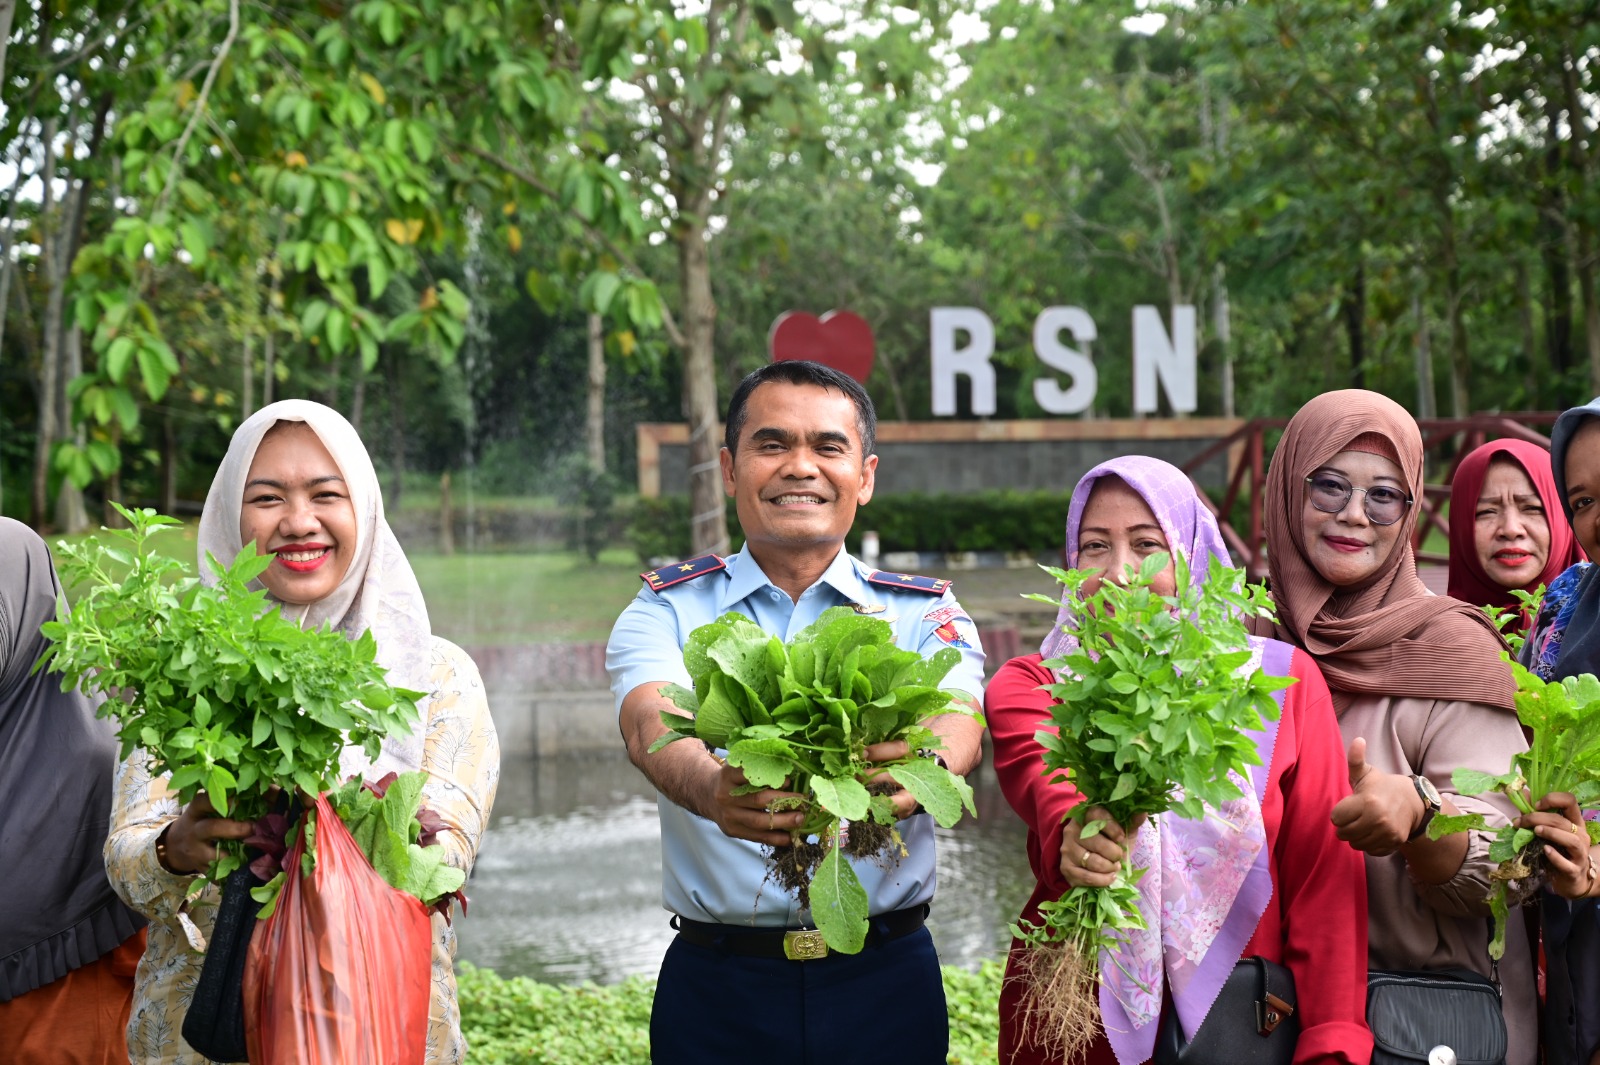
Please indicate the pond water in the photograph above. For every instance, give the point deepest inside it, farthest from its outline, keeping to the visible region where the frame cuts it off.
(568, 882)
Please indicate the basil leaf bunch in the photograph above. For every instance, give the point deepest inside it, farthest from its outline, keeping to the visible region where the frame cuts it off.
(225, 693)
(1564, 755)
(799, 716)
(1151, 714)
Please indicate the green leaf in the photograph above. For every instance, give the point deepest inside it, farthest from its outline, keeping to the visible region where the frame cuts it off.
(941, 792)
(118, 356)
(845, 797)
(153, 370)
(1448, 824)
(767, 763)
(1474, 781)
(839, 904)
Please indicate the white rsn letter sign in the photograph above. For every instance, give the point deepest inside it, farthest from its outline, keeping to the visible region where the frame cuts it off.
(972, 360)
(1156, 356)
(1047, 392)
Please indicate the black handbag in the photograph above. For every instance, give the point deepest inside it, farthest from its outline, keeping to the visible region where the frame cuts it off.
(214, 1025)
(1411, 1014)
(1252, 1022)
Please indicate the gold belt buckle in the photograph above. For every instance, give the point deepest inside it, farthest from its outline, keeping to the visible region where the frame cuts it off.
(805, 944)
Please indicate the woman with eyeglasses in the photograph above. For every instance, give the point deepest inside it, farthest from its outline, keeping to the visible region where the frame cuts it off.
(1418, 685)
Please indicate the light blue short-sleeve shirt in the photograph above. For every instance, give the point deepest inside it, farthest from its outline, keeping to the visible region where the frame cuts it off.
(708, 876)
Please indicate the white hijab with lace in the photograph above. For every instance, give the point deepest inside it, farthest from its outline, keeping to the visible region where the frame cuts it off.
(379, 591)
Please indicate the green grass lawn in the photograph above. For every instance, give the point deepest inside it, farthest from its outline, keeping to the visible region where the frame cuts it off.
(549, 597)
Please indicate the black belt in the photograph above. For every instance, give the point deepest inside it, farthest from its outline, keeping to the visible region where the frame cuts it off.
(794, 944)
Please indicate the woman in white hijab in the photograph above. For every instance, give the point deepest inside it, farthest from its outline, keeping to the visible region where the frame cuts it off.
(299, 483)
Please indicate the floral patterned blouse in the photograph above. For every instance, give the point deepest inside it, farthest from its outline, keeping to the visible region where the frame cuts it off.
(1543, 646)
(462, 757)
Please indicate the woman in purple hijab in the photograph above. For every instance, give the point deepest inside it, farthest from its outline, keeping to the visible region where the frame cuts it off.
(1266, 877)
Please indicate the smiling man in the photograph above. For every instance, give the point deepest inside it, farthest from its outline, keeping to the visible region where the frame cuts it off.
(798, 462)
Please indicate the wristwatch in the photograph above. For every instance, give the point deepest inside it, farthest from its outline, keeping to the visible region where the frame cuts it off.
(1431, 802)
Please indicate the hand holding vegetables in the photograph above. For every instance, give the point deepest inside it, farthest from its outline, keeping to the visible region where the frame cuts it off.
(809, 723)
(1084, 858)
(190, 842)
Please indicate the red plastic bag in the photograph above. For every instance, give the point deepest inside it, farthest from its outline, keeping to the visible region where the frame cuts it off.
(340, 972)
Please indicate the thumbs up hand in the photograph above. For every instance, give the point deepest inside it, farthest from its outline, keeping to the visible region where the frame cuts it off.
(1382, 809)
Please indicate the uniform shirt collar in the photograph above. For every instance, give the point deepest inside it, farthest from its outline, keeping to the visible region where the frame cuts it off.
(843, 575)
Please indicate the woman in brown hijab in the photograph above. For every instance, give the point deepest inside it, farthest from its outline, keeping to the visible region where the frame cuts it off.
(1417, 681)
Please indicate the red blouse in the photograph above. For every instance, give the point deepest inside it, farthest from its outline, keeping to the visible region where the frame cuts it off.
(1316, 922)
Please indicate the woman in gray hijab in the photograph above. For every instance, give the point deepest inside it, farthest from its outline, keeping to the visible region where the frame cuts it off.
(68, 945)
(1565, 642)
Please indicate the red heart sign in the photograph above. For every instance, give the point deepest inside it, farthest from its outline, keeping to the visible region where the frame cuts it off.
(840, 339)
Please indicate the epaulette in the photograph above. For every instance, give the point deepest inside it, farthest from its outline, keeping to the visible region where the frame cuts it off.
(909, 582)
(678, 572)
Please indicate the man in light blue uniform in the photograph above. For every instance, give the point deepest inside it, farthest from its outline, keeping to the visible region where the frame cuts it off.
(798, 463)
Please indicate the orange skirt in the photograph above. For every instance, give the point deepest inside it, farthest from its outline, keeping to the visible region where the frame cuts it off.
(80, 1019)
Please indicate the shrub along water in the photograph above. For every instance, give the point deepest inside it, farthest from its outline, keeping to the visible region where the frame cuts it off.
(519, 1020)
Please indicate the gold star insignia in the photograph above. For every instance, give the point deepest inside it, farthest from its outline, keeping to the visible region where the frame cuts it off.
(686, 567)
(905, 577)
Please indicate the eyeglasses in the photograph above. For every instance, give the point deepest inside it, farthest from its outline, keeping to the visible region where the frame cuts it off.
(1330, 494)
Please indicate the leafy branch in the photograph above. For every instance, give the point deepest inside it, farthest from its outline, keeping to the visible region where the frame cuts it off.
(224, 693)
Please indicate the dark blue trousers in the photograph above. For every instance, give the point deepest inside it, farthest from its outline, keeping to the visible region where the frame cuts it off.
(883, 1005)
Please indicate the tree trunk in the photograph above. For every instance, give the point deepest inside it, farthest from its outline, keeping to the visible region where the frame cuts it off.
(1530, 345)
(1222, 327)
(397, 431)
(1426, 407)
(109, 517)
(247, 377)
(1353, 308)
(1553, 245)
(71, 517)
(50, 221)
(595, 420)
(169, 465)
(1460, 362)
(358, 395)
(8, 11)
(1584, 233)
(708, 523)
(269, 373)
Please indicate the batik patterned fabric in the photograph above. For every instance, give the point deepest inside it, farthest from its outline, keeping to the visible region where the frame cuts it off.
(462, 757)
(1539, 654)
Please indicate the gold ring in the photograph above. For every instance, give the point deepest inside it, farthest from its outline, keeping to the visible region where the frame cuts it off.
(769, 819)
(1084, 861)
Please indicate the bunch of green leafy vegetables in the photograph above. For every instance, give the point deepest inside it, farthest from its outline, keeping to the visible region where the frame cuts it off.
(799, 716)
(225, 694)
(388, 822)
(1564, 755)
(1150, 714)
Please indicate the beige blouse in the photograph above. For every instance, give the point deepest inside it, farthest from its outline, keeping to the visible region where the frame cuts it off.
(462, 758)
(1416, 926)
